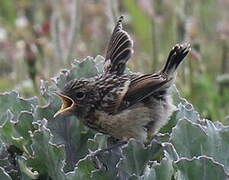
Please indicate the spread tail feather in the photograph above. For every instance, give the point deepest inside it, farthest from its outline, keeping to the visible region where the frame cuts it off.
(176, 56)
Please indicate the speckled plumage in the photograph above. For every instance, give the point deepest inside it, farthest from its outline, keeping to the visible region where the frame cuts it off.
(123, 105)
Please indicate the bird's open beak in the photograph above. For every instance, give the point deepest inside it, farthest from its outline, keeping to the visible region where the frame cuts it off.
(67, 104)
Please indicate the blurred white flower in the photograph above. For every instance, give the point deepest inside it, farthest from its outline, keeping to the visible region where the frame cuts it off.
(21, 22)
(20, 46)
(3, 34)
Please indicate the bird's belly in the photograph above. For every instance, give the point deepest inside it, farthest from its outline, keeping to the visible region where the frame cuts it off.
(136, 122)
(127, 124)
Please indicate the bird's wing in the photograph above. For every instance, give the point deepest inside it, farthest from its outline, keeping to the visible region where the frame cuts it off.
(142, 87)
(114, 92)
(119, 50)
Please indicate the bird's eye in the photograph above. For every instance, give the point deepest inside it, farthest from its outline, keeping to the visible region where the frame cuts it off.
(80, 95)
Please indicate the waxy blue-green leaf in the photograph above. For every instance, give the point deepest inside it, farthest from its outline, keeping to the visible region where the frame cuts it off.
(47, 158)
(13, 102)
(160, 171)
(4, 175)
(200, 168)
(26, 173)
(107, 161)
(136, 157)
(66, 129)
(6, 162)
(84, 69)
(89, 67)
(83, 170)
(99, 63)
(186, 110)
(17, 132)
(98, 142)
(193, 140)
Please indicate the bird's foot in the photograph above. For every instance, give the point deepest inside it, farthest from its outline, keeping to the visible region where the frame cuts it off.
(101, 151)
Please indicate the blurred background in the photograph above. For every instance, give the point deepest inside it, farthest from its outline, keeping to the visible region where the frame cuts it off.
(38, 38)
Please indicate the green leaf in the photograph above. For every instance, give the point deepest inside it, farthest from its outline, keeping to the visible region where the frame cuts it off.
(186, 110)
(80, 69)
(99, 63)
(67, 129)
(86, 68)
(107, 161)
(200, 168)
(4, 175)
(7, 161)
(13, 102)
(136, 157)
(17, 132)
(191, 139)
(47, 158)
(24, 125)
(26, 173)
(83, 170)
(98, 142)
(160, 171)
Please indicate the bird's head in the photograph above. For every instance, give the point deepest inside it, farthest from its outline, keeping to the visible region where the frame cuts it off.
(78, 97)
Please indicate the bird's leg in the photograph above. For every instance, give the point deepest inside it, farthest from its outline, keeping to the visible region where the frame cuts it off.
(115, 153)
(118, 144)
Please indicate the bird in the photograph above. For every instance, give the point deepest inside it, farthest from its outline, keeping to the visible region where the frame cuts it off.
(119, 104)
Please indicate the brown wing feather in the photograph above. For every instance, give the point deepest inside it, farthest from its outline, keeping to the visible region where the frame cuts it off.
(144, 86)
(119, 50)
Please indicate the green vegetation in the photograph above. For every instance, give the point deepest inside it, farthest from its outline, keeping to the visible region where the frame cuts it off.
(34, 145)
(39, 38)
(46, 36)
